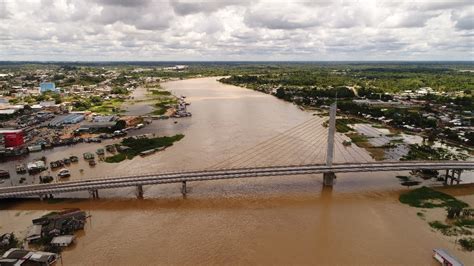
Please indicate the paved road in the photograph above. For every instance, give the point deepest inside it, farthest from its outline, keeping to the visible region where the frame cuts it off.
(178, 177)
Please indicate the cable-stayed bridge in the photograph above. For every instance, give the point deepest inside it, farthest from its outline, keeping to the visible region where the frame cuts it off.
(313, 147)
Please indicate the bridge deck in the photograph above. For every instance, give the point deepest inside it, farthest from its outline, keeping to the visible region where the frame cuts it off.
(178, 177)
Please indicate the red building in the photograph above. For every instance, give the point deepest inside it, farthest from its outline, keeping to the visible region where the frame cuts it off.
(12, 137)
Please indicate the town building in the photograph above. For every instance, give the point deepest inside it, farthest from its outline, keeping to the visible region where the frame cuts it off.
(63, 241)
(34, 233)
(8, 109)
(444, 258)
(62, 223)
(12, 137)
(91, 127)
(47, 86)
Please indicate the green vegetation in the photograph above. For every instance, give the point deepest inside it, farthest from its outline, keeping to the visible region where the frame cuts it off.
(97, 104)
(428, 198)
(426, 152)
(467, 243)
(359, 139)
(162, 105)
(374, 79)
(160, 92)
(342, 125)
(116, 158)
(119, 90)
(465, 222)
(107, 107)
(163, 99)
(439, 225)
(425, 197)
(138, 145)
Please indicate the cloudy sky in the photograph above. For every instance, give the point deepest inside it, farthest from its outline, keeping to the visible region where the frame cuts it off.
(236, 30)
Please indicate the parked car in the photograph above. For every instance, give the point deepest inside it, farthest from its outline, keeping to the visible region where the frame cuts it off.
(64, 173)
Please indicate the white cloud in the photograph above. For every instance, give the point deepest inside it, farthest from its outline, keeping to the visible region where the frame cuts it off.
(235, 30)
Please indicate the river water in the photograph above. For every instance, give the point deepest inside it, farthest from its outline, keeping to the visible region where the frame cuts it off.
(271, 220)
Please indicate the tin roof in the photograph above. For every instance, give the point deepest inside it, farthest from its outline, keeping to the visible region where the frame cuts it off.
(66, 239)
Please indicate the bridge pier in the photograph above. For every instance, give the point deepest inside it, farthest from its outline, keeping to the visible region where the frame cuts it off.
(140, 191)
(183, 188)
(452, 177)
(94, 193)
(328, 179)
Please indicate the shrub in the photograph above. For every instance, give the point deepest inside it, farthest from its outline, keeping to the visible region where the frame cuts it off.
(428, 198)
(116, 158)
(439, 225)
(467, 243)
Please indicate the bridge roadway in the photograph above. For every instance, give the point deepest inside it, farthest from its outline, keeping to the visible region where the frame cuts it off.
(179, 177)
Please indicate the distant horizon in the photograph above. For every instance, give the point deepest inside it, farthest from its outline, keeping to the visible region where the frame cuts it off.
(236, 61)
(236, 31)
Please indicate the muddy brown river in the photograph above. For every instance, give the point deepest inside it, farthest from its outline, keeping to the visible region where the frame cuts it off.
(271, 220)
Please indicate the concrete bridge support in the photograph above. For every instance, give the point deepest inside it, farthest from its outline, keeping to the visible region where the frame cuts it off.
(459, 176)
(184, 189)
(328, 179)
(140, 191)
(94, 193)
(455, 176)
